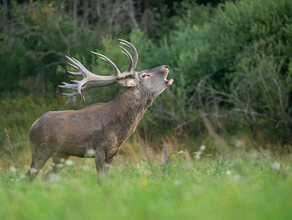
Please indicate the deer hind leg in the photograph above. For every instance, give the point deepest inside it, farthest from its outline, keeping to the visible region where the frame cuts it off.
(39, 159)
(57, 164)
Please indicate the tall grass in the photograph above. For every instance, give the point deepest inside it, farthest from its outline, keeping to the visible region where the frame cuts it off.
(237, 186)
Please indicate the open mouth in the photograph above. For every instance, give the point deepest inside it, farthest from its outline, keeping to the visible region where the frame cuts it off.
(167, 82)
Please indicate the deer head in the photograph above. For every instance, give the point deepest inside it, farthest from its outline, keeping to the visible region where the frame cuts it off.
(150, 82)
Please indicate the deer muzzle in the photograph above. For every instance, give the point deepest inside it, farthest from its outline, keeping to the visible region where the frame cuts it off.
(167, 82)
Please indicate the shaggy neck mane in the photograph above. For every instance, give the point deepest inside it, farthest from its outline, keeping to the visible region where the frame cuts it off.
(129, 106)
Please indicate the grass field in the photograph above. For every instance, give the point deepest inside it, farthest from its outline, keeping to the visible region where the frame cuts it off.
(238, 186)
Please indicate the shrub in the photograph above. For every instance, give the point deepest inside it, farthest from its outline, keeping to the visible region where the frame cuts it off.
(237, 66)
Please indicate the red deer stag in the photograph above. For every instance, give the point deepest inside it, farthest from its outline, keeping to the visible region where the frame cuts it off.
(97, 130)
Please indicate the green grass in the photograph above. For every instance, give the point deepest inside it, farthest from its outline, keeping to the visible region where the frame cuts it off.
(238, 186)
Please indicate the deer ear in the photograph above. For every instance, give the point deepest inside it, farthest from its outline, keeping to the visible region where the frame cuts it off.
(128, 82)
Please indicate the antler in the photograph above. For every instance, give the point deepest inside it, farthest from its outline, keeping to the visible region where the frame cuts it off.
(84, 88)
(91, 80)
(133, 62)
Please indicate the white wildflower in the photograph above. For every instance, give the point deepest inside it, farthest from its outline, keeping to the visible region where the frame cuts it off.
(69, 162)
(89, 153)
(85, 167)
(197, 155)
(238, 143)
(228, 172)
(33, 170)
(236, 178)
(276, 166)
(12, 169)
(60, 165)
(180, 152)
(106, 165)
(202, 148)
(22, 177)
(53, 177)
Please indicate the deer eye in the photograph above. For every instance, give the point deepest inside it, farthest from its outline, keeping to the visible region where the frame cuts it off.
(144, 75)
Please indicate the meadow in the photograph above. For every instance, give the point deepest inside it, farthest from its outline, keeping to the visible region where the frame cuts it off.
(189, 180)
(240, 185)
(215, 145)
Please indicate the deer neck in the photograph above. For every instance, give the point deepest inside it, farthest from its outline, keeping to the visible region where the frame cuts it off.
(128, 109)
(132, 101)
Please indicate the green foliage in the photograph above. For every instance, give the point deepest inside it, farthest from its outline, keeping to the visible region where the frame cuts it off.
(230, 63)
(234, 66)
(35, 38)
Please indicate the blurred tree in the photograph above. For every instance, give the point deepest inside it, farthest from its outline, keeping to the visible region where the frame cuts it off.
(236, 67)
(231, 60)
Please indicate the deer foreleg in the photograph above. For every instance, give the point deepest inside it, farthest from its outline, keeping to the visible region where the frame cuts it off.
(100, 163)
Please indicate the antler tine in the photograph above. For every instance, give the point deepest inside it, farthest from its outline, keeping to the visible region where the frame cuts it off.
(68, 86)
(124, 51)
(103, 57)
(73, 66)
(135, 53)
(72, 94)
(75, 73)
(75, 63)
(85, 87)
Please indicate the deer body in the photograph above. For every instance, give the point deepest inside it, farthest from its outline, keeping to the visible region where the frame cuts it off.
(100, 126)
(99, 129)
